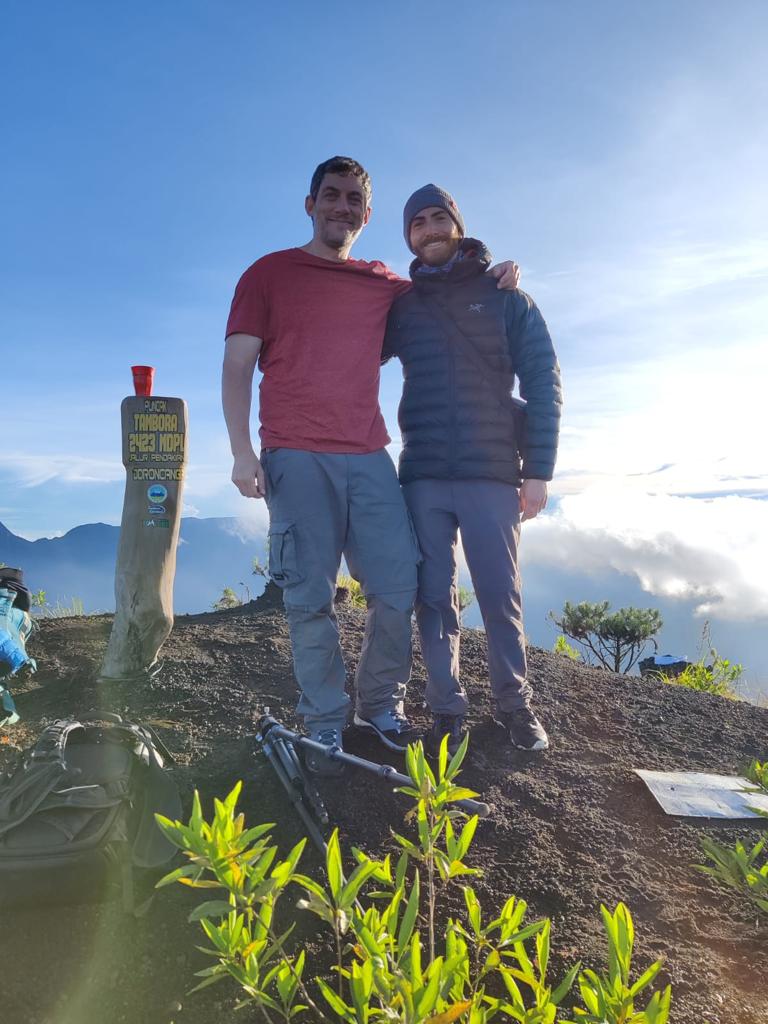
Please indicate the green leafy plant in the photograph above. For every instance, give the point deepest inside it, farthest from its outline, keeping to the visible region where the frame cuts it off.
(477, 970)
(757, 772)
(611, 998)
(563, 647)
(709, 673)
(228, 599)
(614, 640)
(738, 868)
(58, 610)
(435, 814)
(354, 592)
(719, 677)
(241, 864)
(466, 598)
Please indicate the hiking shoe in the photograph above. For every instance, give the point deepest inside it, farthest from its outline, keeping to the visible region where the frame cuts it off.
(392, 727)
(524, 729)
(445, 725)
(8, 713)
(318, 763)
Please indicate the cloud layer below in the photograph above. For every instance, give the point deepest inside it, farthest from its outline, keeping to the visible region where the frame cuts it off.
(712, 552)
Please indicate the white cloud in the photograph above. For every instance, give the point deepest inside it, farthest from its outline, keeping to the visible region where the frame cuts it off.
(710, 551)
(32, 470)
(252, 523)
(655, 299)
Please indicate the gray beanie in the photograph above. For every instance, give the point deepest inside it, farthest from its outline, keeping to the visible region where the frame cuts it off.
(430, 195)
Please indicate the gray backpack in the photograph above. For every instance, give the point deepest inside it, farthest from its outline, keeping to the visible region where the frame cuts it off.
(77, 815)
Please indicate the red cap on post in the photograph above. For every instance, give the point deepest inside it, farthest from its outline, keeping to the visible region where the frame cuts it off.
(142, 379)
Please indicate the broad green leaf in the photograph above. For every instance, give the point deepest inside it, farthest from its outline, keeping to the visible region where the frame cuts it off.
(462, 793)
(212, 908)
(336, 1003)
(184, 872)
(451, 1014)
(473, 909)
(356, 881)
(208, 981)
(333, 866)
(252, 834)
(646, 978)
(565, 985)
(196, 819)
(442, 757)
(426, 1000)
(466, 837)
(542, 948)
(457, 759)
(409, 917)
(311, 885)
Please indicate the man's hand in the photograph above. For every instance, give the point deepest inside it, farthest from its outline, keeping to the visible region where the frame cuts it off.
(533, 498)
(507, 274)
(248, 476)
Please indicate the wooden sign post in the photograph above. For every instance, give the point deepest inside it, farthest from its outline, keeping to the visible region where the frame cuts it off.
(154, 456)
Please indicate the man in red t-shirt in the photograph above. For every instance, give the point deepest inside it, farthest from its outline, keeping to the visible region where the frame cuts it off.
(314, 319)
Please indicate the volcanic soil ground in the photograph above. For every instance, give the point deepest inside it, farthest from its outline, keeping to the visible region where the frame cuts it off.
(570, 828)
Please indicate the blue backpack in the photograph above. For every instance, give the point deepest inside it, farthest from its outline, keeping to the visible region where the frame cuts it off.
(15, 628)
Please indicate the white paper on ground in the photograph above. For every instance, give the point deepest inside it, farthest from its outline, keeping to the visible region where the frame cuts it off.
(700, 795)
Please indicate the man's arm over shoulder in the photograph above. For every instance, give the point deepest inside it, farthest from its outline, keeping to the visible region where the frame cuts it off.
(537, 369)
(393, 333)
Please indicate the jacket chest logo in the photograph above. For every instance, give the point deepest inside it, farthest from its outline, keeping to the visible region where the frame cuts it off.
(476, 307)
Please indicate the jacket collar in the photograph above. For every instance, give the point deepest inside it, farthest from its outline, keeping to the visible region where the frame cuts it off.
(476, 260)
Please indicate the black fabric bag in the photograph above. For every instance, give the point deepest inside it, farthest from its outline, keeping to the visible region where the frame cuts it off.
(77, 815)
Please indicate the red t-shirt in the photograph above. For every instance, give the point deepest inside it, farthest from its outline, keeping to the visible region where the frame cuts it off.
(322, 325)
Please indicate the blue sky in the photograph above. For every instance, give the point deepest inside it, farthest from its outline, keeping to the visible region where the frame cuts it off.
(619, 153)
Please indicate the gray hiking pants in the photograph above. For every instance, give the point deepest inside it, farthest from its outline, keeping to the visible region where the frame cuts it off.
(322, 507)
(487, 513)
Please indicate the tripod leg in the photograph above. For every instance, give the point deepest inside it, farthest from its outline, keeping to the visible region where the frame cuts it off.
(295, 796)
(296, 771)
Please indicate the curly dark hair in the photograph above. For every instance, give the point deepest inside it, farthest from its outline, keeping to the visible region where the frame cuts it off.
(341, 165)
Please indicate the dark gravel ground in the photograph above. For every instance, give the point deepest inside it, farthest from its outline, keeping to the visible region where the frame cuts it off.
(569, 828)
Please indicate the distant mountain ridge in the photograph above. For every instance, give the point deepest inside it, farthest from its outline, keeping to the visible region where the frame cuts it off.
(212, 554)
(218, 552)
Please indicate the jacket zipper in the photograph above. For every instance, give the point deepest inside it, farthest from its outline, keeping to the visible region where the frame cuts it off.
(452, 422)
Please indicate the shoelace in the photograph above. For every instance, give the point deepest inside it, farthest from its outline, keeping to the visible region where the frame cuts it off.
(400, 721)
(525, 713)
(328, 737)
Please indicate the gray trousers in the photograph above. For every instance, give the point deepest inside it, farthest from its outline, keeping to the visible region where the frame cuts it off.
(488, 515)
(322, 507)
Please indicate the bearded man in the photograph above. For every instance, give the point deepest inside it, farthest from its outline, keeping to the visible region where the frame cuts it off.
(467, 466)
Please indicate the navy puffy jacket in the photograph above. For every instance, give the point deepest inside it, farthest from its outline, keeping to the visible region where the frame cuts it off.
(452, 422)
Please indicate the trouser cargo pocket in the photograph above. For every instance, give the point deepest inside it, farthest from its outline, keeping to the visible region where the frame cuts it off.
(283, 560)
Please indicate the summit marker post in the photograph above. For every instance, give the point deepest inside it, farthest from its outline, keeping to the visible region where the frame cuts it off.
(155, 456)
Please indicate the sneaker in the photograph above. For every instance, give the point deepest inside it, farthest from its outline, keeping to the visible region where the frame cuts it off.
(446, 725)
(524, 729)
(318, 763)
(393, 729)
